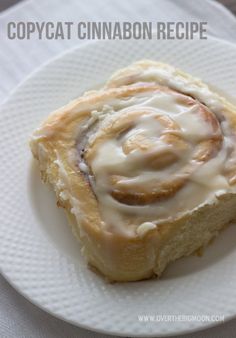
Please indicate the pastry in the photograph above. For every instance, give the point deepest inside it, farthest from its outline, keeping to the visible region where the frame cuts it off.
(145, 168)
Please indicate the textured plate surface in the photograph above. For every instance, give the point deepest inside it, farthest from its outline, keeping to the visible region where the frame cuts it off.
(38, 253)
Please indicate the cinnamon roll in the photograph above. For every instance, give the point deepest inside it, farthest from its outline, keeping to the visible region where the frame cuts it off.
(145, 168)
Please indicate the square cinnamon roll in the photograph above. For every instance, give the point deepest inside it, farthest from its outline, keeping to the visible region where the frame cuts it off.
(145, 168)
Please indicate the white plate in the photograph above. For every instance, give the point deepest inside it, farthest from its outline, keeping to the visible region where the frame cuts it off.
(38, 254)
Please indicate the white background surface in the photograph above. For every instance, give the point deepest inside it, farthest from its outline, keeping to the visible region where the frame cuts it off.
(18, 318)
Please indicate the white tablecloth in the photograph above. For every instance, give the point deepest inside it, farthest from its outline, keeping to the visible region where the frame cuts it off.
(18, 317)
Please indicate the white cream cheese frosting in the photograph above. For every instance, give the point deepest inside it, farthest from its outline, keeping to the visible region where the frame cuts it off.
(203, 183)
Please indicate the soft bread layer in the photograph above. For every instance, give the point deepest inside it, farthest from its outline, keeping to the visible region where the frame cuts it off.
(131, 260)
(118, 256)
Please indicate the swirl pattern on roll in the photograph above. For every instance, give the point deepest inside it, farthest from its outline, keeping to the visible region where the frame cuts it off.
(150, 141)
(154, 150)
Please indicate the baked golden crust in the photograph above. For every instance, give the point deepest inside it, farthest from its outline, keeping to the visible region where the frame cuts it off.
(124, 222)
